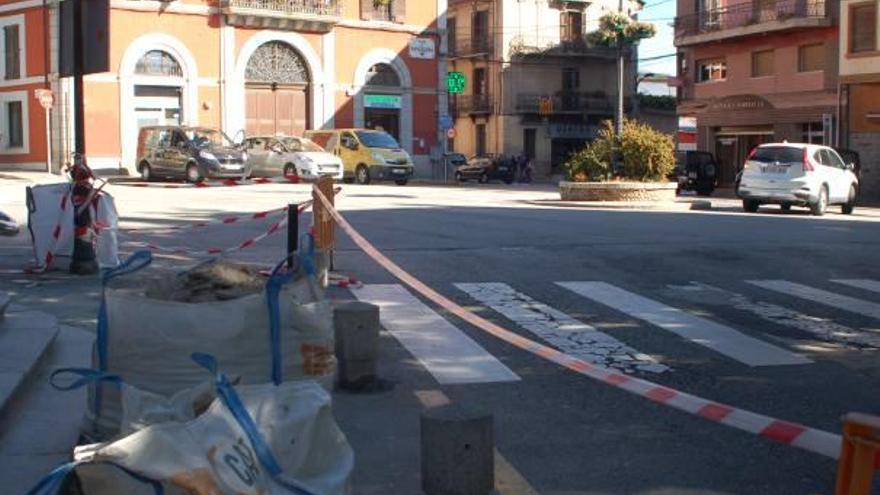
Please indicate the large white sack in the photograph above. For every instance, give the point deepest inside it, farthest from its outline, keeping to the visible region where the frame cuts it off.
(212, 454)
(106, 221)
(44, 214)
(149, 343)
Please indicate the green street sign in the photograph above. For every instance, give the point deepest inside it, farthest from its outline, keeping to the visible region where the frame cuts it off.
(455, 83)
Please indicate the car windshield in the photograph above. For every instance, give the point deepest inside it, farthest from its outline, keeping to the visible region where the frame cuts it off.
(780, 154)
(457, 159)
(377, 139)
(207, 138)
(301, 144)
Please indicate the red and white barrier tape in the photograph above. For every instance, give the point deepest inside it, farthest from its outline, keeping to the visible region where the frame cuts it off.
(273, 228)
(56, 234)
(810, 439)
(344, 282)
(293, 179)
(223, 221)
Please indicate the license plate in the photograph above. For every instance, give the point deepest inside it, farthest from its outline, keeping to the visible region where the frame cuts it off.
(231, 167)
(692, 175)
(399, 171)
(775, 169)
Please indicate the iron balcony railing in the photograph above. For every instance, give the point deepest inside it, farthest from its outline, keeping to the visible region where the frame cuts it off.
(749, 13)
(329, 8)
(564, 102)
(464, 47)
(471, 104)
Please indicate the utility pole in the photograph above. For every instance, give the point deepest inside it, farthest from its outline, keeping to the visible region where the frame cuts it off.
(620, 41)
(83, 260)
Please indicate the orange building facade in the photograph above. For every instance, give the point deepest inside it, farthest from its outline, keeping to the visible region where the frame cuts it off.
(244, 66)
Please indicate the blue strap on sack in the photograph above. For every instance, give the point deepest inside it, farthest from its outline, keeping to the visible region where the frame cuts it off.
(306, 254)
(135, 262)
(231, 400)
(52, 482)
(86, 376)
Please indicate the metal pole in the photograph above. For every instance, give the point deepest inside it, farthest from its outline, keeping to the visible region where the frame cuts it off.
(48, 142)
(79, 118)
(620, 85)
(292, 232)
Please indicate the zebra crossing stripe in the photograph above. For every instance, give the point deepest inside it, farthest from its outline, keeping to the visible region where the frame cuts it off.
(860, 283)
(707, 333)
(811, 439)
(445, 351)
(822, 328)
(567, 334)
(839, 301)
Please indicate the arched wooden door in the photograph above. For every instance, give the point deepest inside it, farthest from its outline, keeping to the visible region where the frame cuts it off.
(277, 89)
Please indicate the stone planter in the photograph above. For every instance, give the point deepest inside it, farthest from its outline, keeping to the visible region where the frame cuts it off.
(617, 191)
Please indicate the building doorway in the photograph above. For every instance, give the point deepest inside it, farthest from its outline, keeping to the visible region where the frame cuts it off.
(383, 100)
(732, 148)
(157, 105)
(277, 91)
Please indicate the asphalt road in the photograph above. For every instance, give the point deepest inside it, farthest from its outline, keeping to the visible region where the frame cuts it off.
(558, 432)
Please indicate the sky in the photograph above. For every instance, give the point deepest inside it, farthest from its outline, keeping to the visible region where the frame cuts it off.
(661, 13)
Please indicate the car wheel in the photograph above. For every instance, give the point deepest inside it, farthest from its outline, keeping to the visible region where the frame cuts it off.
(848, 207)
(362, 174)
(785, 207)
(193, 174)
(818, 208)
(146, 172)
(484, 178)
(290, 170)
(750, 205)
(401, 182)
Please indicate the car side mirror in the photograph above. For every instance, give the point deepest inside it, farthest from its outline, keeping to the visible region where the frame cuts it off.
(850, 166)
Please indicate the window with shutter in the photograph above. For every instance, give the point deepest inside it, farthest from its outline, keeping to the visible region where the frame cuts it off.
(811, 57)
(451, 40)
(564, 27)
(762, 63)
(863, 28)
(14, 123)
(11, 52)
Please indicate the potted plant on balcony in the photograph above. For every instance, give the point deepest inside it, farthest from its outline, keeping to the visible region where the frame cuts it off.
(648, 160)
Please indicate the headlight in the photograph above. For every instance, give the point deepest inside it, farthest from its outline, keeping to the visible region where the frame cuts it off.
(379, 158)
(244, 157)
(207, 155)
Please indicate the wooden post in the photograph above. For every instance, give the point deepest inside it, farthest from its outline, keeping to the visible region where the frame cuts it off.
(859, 454)
(324, 229)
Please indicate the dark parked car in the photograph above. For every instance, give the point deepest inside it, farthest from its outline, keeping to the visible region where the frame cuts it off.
(191, 153)
(696, 171)
(851, 157)
(486, 168)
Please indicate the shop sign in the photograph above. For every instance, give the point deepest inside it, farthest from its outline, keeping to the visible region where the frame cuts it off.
(745, 102)
(382, 101)
(422, 48)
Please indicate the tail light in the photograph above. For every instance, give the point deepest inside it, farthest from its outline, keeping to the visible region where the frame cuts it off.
(808, 165)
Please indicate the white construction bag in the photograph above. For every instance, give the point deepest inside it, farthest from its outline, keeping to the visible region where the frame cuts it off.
(250, 439)
(106, 221)
(50, 207)
(148, 342)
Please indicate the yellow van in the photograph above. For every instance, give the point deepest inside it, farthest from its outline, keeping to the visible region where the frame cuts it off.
(366, 154)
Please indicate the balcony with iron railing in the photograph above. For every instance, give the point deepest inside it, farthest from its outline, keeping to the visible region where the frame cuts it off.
(480, 46)
(545, 45)
(461, 105)
(299, 15)
(565, 102)
(749, 18)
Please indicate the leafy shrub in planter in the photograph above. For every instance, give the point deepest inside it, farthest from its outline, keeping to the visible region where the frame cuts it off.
(648, 155)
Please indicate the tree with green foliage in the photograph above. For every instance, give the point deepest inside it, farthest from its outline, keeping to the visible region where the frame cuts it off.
(648, 155)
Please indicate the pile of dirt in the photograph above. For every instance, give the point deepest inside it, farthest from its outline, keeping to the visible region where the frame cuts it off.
(216, 281)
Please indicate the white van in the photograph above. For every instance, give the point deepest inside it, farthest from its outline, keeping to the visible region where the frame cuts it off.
(797, 174)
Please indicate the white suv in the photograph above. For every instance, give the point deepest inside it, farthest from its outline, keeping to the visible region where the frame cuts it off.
(797, 174)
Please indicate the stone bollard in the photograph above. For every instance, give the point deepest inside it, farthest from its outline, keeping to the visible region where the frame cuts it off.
(356, 328)
(458, 451)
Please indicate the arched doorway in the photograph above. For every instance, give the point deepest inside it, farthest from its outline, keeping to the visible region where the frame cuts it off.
(383, 100)
(158, 89)
(277, 91)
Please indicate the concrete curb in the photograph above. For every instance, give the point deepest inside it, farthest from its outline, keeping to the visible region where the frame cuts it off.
(25, 336)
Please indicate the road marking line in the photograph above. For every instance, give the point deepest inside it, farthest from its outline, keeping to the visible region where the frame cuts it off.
(719, 338)
(860, 283)
(823, 328)
(567, 334)
(444, 350)
(846, 303)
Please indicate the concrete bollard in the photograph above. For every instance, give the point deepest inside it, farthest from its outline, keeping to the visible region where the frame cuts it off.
(356, 328)
(458, 451)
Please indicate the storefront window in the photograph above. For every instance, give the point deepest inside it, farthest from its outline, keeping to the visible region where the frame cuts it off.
(812, 133)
